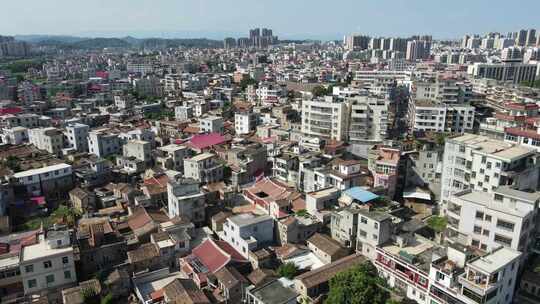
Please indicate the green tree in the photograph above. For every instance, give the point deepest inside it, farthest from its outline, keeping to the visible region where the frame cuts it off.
(13, 163)
(65, 215)
(437, 223)
(318, 91)
(357, 285)
(108, 299)
(247, 81)
(288, 270)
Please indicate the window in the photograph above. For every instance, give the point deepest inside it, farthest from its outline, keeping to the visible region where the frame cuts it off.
(65, 260)
(505, 225)
(29, 268)
(485, 232)
(67, 274)
(47, 264)
(363, 220)
(498, 197)
(376, 225)
(487, 218)
(49, 279)
(32, 283)
(477, 229)
(479, 215)
(503, 240)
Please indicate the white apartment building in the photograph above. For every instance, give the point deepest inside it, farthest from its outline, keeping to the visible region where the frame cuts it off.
(369, 119)
(248, 232)
(515, 72)
(443, 89)
(211, 124)
(14, 136)
(138, 134)
(183, 113)
(48, 265)
(138, 149)
(172, 157)
(140, 68)
(77, 136)
(204, 168)
(506, 217)
(480, 163)
(245, 122)
(185, 199)
(328, 118)
(426, 115)
(48, 139)
(49, 179)
(102, 143)
(123, 103)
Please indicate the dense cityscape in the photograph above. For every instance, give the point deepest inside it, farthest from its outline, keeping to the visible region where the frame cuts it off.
(261, 170)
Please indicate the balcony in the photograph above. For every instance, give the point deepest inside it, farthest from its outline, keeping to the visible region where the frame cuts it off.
(477, 282)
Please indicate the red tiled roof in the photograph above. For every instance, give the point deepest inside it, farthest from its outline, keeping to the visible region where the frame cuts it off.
(528, 133)
(216, 254)
(202, 141)
(13, 110)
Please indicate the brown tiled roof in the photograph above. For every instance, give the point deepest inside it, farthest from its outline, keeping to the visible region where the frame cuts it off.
(260, 276)
(325, 273)
(325, 243)
(229, 276)
(184, 291)
(145, 252)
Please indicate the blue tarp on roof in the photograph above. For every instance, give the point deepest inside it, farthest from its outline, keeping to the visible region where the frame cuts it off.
(360, 194)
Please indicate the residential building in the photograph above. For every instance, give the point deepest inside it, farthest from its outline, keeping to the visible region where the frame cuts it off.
(428, 116)
(48, 139)
(479, 163)
(326, 118)
(185, 199)
(503, 217)
(171, 157)
(77, 136)
(102, 143)
(49, 265)
(211, 124)
(50, 181)
(514, 72)
(276, 291)
(245, 122)
(326, 249)
(138, 149)
(204, 168)
(247, 232)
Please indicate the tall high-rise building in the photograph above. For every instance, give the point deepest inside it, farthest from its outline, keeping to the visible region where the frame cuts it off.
(418, 49)
(229, 43)
(521, 39)
(531, 37)
(465, 41)
(356, 42)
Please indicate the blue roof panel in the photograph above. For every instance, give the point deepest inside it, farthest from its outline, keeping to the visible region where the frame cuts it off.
(360, 194)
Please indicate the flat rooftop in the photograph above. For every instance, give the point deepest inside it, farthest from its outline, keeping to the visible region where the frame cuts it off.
(246, 219)
(497, 148)
(494, 261)
(41, 170)
(202, 156)
(41, 250)
(486, 199)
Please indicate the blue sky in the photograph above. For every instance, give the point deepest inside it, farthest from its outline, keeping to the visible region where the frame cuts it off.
(320, 19)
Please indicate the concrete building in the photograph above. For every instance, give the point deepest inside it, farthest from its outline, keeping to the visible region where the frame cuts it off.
(327, 118)
(418, 49)
(102, 143)
(204, 168)
(14, 136)
(514, 72)
(77, 136)
(50, 181)
(245, 122)
(369, 119)
(185, 199)
(171, 157)
(479, 163)
(49, 265)
(211, 124)
(504, 217)
(139, 149)
(48, 139)
(426, 115)
(247, 232)
(183, 113)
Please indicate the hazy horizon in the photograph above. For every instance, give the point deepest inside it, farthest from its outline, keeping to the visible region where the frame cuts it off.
(298, 19)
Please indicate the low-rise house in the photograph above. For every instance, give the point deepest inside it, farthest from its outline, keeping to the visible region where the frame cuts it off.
(312, 284)
(145, 258)
(51, 181)
(230, 285)
(185, 199)
(276, 291)
(296, 229)
(325, 248)
(208, 258)
(247, 232)
(82, 200)
(100, 246)
(77, 295)
(204, 168)
(48, 266)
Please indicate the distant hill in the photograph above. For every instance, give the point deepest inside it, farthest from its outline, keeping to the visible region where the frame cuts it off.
(68, 42)
(100, 43)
